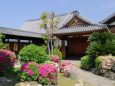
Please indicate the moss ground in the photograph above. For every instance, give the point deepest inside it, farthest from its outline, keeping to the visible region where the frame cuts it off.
(64, 81)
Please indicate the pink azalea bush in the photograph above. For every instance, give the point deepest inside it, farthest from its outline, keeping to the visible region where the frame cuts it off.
(7, 60)
(105, 64)
(67, 70)
(29, 71)
(65, 65)
(45, 74)
(48, 74)
(53, 63)
(54, 59)
(108, 63)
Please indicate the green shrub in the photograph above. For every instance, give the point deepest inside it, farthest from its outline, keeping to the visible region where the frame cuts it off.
(2, 45)
(87, 62)
(98, 64)
(44, 47)
(32, 53)
(49, 56)
(58, 53)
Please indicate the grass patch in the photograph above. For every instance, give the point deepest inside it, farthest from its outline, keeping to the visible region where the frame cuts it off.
(64, 81)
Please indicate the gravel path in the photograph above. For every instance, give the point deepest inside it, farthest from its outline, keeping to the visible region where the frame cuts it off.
(91, 78)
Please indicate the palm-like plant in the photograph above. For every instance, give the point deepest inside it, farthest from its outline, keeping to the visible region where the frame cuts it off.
(101, 43)
(101, 37)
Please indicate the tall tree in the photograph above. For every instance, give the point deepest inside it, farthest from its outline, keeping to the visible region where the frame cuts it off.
(50, 25)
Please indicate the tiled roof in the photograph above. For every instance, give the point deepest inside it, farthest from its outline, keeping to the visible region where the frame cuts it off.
(80, 28)
(108, 18)
(33, 25)
(16, 32)
(77, 14)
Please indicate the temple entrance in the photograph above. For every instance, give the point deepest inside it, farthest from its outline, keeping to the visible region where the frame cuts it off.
(74, 48)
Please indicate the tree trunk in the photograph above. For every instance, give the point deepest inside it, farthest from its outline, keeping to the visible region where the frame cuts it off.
(48, 46)
(52, 45)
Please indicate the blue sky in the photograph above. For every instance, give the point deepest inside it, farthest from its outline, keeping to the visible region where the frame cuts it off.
(13, 13)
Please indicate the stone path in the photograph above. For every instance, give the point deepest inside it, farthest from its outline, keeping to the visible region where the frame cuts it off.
(92, 79)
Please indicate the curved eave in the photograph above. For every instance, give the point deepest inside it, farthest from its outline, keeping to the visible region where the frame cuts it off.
(80, 30)
(16, 32)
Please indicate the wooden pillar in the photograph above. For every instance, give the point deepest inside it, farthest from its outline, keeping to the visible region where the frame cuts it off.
(63, 49)
(29, 41)
(19, 44)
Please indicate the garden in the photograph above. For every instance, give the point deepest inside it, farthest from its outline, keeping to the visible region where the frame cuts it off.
(36, 66)
(43, 66)
(100, 58)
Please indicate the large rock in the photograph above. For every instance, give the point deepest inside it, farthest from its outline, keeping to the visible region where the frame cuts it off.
(106, 75)
(93, 70)
(112, 75)
(5, 81)
(32, 83)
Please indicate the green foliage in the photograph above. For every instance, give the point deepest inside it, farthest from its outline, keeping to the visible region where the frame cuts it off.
(101, 37)
(45, 20)
(49, 24)
(58, 53)
(45, 37)
(8, 73)
(49, 56)
(15, 72)
(23, 76)
(12, 73)
(2, 45)
(87, 62)
(97, 48)
(45, 81)
(98, 64)
(32, 53)
(101, 43)
(44, 47)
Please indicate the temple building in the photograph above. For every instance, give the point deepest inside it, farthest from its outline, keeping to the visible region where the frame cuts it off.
(73, 31)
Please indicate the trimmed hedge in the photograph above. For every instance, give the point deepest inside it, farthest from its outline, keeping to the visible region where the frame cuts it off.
(32, 53)
(87, 62)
